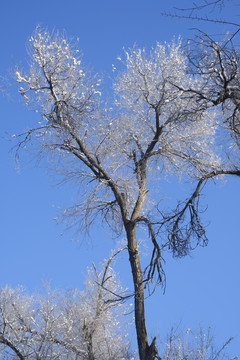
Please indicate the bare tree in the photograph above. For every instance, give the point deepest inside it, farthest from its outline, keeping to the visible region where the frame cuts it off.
(162, 121)
(58, 325)
(210, 12)
(206, 11)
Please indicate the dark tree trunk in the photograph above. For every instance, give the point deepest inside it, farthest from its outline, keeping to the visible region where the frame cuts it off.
(146, 351)
(88, 338)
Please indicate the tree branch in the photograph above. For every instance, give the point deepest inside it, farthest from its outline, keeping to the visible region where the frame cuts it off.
(179, 237)
(8, 343)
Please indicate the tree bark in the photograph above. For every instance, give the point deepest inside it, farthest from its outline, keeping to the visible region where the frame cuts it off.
(146, 351)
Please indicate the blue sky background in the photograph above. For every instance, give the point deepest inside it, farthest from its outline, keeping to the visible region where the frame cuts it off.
(203, 289)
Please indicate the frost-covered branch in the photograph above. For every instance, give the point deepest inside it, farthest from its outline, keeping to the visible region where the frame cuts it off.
(74, 325)
(194, 345)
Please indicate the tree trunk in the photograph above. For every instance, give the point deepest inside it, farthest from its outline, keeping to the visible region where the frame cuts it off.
(87, 334)
(146, 352)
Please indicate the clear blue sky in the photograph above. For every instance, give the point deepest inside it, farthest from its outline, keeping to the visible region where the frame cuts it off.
(203, 289)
